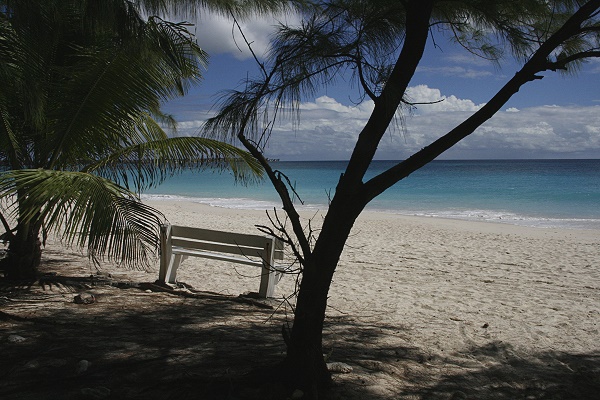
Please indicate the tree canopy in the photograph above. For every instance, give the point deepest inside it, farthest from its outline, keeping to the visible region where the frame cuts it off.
(82, 128)
(379, 44)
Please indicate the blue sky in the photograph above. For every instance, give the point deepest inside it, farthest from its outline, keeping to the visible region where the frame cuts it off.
(556, 117)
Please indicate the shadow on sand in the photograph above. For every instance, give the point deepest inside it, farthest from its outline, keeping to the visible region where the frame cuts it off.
(141, 344)
(493, 371)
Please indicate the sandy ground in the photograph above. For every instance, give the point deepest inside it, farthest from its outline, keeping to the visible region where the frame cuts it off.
(420, 308)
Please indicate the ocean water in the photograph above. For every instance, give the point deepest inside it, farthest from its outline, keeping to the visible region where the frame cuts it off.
(540, 193)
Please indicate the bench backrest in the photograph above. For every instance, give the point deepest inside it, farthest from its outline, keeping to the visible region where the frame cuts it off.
(223, 242)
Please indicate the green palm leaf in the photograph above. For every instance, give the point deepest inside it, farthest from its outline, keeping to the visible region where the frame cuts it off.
(147, 164)
(107, 90)
(87, 211)
(81, 88)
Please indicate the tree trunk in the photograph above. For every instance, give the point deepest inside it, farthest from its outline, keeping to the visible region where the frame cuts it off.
(304, 360)
(24, 254)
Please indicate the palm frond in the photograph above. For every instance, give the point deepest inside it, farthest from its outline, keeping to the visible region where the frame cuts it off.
(82, 87)
(147, 164)
(106, 90)
(87, 211)
(9, 141)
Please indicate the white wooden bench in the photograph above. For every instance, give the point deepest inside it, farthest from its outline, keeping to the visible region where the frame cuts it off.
(178, 242)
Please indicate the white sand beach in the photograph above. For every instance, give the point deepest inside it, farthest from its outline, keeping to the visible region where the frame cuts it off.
(429, 294)
(420, 308)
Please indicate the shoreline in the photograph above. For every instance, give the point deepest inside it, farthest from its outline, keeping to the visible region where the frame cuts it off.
(525, 193)
(458, 223)
(485, 216)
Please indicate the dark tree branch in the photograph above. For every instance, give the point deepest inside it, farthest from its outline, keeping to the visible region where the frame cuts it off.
(281, 189)
(417, 31)
(277, 183)
(363, 81)
(281, 234)
(562, 63)
(528, 73)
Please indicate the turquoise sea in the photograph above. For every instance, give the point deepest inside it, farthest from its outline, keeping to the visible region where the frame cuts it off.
(541, 193)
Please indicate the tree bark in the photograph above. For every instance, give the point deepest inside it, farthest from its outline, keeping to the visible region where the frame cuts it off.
(304, 359)
(24, 254)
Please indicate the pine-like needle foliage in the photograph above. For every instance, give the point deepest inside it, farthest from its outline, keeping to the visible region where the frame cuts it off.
(360, 41)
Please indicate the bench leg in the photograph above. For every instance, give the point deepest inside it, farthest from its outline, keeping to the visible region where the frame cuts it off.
(165, 252)
(173, 265)
(162, 272)
(268, 274)
(268, 280)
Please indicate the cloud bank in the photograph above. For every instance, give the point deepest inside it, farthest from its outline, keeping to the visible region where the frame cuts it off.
(328, 130)
(329, 127)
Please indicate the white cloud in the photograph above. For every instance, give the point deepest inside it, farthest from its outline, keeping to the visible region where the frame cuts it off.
(361, 110)
(436, 102)
(544, 131)
(329, 129)
(532, 132)
(592, 129)
(512, 110)
(218, 34)
(189, 126)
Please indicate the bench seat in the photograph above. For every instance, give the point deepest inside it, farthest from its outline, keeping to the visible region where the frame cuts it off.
(180, 242)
